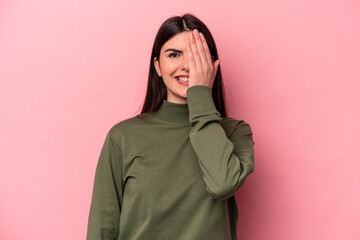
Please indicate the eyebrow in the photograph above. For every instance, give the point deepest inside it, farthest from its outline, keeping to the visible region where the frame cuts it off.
(174, 50)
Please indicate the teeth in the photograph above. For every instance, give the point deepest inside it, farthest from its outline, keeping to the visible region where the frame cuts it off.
(182, 79)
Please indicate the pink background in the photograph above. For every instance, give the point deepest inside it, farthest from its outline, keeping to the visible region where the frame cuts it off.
(69, 70)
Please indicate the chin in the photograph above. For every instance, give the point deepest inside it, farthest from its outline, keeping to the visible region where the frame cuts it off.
(183, 93)
(180, 95)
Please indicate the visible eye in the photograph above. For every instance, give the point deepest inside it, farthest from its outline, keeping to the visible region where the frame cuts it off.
(171, 54)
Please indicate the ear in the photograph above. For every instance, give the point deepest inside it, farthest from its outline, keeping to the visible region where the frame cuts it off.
(157, 67)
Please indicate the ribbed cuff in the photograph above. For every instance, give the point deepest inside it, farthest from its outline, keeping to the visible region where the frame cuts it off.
(200, 102)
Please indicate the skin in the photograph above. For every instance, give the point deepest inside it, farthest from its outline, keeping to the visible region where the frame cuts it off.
(194, 59)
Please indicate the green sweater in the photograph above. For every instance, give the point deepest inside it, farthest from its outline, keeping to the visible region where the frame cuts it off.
(172, 174)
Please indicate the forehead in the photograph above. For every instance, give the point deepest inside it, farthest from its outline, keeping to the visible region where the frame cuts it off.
(178, 41)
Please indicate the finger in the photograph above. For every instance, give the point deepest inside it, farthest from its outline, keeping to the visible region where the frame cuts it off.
(194, 50)
(191, 60)
(200, 48)
(206, 49)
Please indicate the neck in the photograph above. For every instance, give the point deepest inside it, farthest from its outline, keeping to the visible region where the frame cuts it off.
(172, 112)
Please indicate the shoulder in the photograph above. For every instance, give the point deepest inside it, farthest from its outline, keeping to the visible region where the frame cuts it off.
(128, 127)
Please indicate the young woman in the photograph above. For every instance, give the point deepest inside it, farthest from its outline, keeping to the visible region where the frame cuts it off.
(171, 172)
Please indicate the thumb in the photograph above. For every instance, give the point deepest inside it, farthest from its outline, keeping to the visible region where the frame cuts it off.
(216, 66)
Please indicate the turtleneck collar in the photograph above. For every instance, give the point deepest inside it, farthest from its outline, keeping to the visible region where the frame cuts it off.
(172, 112)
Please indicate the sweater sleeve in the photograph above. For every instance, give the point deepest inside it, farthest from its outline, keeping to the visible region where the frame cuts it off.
(105, 208)
(225, 162)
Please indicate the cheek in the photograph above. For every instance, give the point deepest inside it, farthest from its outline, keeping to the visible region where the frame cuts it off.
(170, 66)
(169, 82)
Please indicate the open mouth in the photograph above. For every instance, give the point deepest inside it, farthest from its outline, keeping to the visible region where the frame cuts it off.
(182, 79)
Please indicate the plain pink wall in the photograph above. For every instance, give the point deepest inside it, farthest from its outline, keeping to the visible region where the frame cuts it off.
(69, 70)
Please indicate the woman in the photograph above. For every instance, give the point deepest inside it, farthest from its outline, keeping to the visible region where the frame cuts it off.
(171, 172)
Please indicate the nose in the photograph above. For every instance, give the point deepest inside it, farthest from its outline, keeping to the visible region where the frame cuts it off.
(185, 62)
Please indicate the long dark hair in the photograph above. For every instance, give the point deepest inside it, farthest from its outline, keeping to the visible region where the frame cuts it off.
(156, 89)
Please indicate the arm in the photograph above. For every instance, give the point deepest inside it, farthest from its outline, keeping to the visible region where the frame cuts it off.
(225, 162)
(104, 216)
